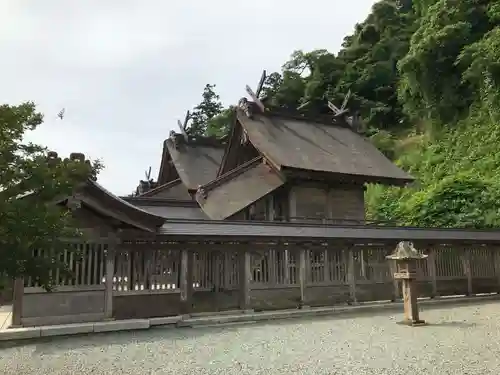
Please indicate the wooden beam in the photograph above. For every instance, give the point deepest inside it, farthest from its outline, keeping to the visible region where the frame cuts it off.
(303, 105)
(183, 132)
(261, 83)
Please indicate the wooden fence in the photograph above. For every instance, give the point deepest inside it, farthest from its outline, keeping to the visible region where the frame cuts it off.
(148, 282)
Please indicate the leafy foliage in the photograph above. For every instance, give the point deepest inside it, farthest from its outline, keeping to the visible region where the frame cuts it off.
(30, 184)
(367, 65)
(431, 79)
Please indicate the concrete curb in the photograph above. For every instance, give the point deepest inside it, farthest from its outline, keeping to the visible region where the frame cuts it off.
(204, 320)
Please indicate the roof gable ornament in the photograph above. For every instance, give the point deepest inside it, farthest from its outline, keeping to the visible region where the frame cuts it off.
(183, 126)
(147, 184)
(202, 193)
(342, 110)
(245, 106)
(182, 138)
(354, 120)
(74, 202)
(256, 95)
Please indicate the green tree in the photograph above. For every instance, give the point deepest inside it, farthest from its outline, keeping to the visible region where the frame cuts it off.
(31, 180)
(219, 125)
(204, 113)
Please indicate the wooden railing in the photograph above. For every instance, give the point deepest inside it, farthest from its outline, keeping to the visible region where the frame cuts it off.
(85, 261)
(329, 264)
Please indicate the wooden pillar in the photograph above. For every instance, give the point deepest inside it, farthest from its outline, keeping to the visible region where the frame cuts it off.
(408, 277)
(496, 260)
(190, 277)
(362, 262)
(271, 264)
(302, 276)
(395, 282)
(184, 282)
(245, 279)
(326, 269)
(216, 256)
(227, 269)
(286, 265)
(113, 242)
(330, 208)
(17, 302)
(466, 262)
(292, 205)
(351, 273)
(270, 215)
(431, 267)
(108, 293)
(411, 313)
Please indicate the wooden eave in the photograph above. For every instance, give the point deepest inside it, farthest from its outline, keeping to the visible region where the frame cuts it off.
(98, 199)
(145, 201)
(290, 232)
(95, 195)
(167, 172)
(341, 177)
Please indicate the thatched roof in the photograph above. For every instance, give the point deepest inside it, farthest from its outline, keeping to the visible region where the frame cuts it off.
(311, 145)
(196, 163)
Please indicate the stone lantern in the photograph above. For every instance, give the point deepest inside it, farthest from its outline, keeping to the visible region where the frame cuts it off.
(406, 257)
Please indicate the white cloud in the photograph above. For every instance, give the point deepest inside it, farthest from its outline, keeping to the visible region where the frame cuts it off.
(125, 70)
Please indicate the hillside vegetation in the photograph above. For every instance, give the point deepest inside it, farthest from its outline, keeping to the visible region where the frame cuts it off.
(425, 77)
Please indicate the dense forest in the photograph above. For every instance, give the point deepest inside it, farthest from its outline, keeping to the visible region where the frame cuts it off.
(425, 78)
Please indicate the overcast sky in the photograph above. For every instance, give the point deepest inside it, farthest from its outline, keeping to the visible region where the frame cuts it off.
(127, 70)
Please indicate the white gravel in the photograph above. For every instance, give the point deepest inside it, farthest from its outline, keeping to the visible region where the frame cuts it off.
(459, 340)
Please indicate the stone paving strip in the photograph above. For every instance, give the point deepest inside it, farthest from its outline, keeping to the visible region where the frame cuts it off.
(459, 339)
(223, 318)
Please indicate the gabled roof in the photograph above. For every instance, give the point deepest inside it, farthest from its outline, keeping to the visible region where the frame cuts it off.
(196, 161)
(304, 144)
(98, 199)
(233, 191)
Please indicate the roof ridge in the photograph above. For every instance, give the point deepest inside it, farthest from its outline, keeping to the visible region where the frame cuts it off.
(203, 141)
(321, 118)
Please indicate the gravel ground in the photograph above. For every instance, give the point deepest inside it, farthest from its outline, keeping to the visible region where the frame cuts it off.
(459, 340)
